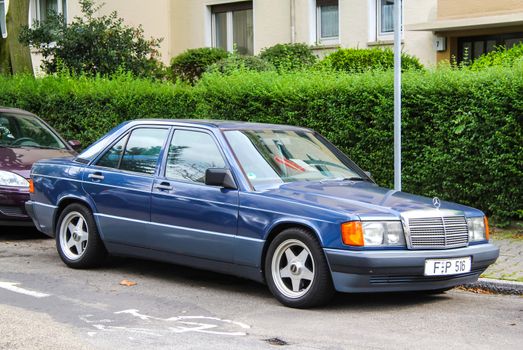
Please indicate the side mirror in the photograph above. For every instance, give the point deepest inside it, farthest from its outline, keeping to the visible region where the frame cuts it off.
(369, 175)
(75, 144)
(220, 177)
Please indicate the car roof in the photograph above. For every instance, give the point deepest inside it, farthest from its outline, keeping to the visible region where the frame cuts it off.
(222, 124)
(15, 111)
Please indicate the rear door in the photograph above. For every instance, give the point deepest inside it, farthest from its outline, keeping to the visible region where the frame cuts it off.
(120, 184)
(187, 216)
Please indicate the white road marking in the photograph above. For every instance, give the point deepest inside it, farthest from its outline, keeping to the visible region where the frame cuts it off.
(177, 325)
(136, 313)
(11, 286)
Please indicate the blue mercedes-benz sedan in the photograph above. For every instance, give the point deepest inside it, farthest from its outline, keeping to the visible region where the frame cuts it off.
(276, 204)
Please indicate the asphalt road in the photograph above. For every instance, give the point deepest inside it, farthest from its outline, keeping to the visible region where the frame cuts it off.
(45, 305)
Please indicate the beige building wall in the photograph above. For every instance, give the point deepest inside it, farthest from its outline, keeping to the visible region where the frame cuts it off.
(448, 9)
(186, 24)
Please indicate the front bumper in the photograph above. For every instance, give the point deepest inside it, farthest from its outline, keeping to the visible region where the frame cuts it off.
(12, 206)
(402, 270)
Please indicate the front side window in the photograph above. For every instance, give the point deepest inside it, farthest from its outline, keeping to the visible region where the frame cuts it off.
(272, 157)
(327, 18)
(191, 153)
(233, 28)
(27, 131)
(385, 17)
(3, 13)
(137, 152)
(111, 158)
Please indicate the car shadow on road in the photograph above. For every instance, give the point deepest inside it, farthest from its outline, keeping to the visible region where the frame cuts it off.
(20, 233)
(187, 275)
(230, 284)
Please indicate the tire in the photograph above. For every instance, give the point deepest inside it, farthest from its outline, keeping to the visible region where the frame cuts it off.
(77, 240)
(304, 281)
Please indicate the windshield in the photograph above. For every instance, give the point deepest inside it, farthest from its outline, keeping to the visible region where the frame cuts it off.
(18, 130)
(271, 157)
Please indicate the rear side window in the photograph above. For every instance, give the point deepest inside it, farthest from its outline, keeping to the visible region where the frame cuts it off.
(137, 152)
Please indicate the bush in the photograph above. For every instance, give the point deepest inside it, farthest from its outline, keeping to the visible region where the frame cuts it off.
(500, 57)
(238, 63)
(462, 130)
(361, 60)
(190, 65)
(92, 45)
(289, 57)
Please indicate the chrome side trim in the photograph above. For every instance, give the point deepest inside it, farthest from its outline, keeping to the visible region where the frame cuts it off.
(44, 205)
(179, 227)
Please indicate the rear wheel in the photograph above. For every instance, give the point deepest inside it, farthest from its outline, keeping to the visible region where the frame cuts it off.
(296, 270)
(77, 239)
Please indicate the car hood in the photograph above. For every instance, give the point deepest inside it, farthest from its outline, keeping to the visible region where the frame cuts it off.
(364, 199)
(20, 160)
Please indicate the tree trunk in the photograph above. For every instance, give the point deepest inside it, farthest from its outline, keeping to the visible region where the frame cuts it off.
(5, 61)
(14, 56)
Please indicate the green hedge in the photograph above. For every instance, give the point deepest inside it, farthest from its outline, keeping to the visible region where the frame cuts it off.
(462, 130)
(361, 60)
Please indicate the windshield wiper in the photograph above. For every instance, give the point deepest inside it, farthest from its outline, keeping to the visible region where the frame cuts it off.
(354, 178)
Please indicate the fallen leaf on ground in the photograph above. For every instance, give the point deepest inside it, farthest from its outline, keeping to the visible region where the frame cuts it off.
(127, 283)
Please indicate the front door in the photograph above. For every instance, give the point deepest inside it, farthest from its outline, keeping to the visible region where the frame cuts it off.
(187, 216)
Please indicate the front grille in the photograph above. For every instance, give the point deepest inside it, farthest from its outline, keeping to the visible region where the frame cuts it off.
(393, 279)
(438, 232)
(12, 211)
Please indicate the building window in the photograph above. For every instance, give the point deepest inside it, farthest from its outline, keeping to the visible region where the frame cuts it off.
(385, 16)
(40, 9)
(3, 13)
(233, 27)
(470, 48)
(327, 21)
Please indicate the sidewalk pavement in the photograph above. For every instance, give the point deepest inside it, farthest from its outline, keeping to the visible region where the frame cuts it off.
(506, 275)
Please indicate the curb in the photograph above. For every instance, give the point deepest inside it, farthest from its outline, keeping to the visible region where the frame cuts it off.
(497, 286)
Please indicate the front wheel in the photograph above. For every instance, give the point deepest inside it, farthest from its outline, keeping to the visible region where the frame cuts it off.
(296, 270)
(77, 239)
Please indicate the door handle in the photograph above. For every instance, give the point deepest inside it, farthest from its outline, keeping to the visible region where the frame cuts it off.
(164, 186)
(96, 176)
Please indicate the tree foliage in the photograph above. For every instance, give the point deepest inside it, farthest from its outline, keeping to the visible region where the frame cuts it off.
(93, 44)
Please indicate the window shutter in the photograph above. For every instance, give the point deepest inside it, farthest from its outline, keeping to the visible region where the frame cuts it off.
(234, 6)
(326, 2)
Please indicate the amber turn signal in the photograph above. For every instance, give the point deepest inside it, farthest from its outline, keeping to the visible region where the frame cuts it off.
(31, 186)
(487, 230)
(352, 233)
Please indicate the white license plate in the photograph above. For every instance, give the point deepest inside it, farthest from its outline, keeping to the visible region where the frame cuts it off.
(442, 267)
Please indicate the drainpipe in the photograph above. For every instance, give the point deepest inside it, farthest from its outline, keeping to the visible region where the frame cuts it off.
(293, 21)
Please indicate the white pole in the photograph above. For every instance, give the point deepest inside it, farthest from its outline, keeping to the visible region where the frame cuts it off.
(397, 95)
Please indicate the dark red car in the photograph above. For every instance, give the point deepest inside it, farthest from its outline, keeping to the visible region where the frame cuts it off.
(24, 139)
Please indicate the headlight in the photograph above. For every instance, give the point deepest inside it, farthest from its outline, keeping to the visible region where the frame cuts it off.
(373, 233)
(478, 229)
(10, 179)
